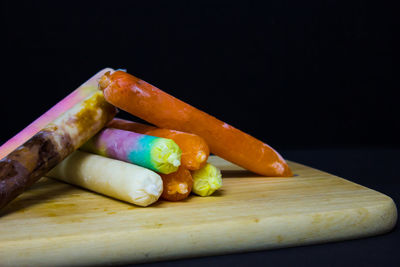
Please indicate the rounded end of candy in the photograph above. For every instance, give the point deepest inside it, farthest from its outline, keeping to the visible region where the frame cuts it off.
(206, 180)
(200, 161)
(104, 81)
(177, 185)
(174, 159)
(201, 156)
(152, 189)
(147, 192)
(182, 188)
(166, 156)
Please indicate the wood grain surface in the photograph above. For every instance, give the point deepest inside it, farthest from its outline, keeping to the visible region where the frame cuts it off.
(55, 224)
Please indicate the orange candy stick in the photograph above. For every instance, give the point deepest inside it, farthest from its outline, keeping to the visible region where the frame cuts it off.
(159, 108)
(177, 185)
(195, 150)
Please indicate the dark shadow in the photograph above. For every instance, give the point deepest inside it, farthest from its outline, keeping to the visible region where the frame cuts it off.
(239, 174)
(25, 201)
(156, 204)
(161, 201)
(218, 193)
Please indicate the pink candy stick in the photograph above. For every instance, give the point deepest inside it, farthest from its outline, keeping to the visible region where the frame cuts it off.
(68, 102)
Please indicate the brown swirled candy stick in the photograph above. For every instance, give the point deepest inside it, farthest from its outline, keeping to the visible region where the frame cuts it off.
(76, 96)
(26, 164)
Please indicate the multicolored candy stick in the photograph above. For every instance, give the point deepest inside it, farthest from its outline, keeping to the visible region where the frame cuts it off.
(33, 159)
(195, 150)
(158, 154)
(65, 104)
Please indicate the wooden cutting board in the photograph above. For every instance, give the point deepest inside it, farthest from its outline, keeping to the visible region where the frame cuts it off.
(57, 224)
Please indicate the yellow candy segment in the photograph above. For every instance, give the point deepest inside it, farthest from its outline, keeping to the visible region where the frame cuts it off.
(206, 180)
(166, 155)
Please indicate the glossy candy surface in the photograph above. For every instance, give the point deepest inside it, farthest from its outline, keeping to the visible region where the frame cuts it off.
(57, 110)
(165, 111)
(206, 180)
(33, 159)
(178, 185)
(155, 153)
(195, 150)
(114, 178)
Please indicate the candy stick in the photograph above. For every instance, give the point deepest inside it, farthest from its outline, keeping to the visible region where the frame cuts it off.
(165, 111)
(158, 154)
(114, 178)
(132, 126)
(206, 180)
(177, 186)
(195, 150)
(194, 156)
(68, 102)
(30, 161)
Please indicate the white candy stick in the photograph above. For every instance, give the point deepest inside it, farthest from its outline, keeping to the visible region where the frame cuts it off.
(114, 178)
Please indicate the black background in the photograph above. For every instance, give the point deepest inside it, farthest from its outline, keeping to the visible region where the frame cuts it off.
(296, 74)
(314, 79)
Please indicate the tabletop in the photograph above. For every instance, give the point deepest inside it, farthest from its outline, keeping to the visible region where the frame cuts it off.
(373, 167)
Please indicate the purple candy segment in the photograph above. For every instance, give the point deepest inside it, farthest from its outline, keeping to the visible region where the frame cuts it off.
(155, 153)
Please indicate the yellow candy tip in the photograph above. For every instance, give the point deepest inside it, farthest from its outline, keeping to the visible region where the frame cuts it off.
(166, 156)
(206, 180)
